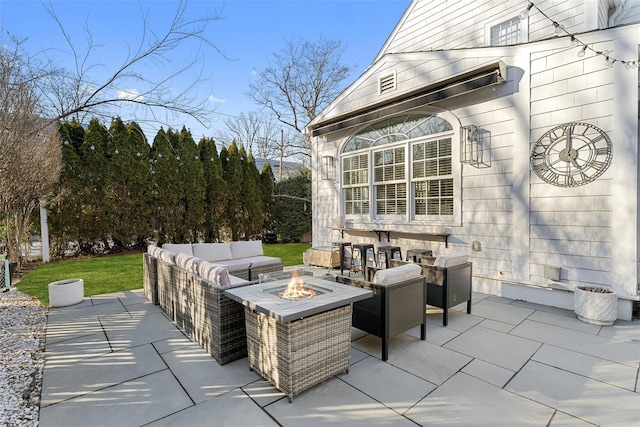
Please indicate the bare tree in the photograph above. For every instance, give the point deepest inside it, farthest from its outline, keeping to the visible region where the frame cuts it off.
(30, 152)
(36, 94)
(254, 131)
(78, 93)
(261, 135)
(303, 78)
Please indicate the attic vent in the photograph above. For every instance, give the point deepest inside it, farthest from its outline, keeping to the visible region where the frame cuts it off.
(387, 83)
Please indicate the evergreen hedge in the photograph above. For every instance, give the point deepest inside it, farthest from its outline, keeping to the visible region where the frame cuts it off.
(116, 192)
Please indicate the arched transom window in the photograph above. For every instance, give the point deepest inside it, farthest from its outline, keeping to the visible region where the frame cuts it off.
(400, 168)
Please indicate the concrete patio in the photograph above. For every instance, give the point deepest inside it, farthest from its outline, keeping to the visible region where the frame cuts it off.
(117, 360)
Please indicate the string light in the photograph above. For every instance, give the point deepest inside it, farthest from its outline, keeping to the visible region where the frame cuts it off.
(560, 29)
(582, 51)
(525, 12)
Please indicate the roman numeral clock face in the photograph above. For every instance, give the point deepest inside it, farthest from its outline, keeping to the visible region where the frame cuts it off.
(571, 154)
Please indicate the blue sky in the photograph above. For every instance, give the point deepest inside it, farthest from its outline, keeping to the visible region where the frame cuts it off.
(248, 33)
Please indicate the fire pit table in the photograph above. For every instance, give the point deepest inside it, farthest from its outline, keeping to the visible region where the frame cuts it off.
(298, 329)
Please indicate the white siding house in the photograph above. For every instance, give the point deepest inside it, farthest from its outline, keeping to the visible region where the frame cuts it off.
(515, 133)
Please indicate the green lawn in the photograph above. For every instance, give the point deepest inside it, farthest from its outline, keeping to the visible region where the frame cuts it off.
(103, 275)
(289, 253)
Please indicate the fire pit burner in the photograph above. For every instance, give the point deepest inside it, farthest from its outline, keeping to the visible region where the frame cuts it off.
(297, 292)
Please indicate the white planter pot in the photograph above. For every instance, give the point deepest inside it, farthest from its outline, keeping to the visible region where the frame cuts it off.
(596, 308)
(66, 292)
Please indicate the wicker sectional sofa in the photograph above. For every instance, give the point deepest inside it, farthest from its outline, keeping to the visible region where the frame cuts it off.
(190, 290)
(245, 260)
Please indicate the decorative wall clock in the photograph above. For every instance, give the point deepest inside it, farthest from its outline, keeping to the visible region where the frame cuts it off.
(571, 154)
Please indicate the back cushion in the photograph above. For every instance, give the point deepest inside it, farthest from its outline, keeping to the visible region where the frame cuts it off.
(397, 274)
(246, 249)
(450, 260)
(166, 256)
(178, 248)
(212, 251)
(188, 262)
(214, 273)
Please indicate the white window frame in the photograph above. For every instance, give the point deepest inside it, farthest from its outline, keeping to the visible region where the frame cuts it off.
(433, 178)
(410, 218)
(366, 185)
(524, 28)
(388, 182)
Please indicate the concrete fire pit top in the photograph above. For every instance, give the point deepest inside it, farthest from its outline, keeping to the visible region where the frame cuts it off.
(258, 298)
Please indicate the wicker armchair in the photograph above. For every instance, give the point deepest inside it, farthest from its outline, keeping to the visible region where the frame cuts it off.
(394, 308)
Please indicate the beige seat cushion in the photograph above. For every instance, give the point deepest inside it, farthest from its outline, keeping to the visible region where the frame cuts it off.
(234, 264)
(236, 280)
(450, 260)
(399, 274)
(259, 261)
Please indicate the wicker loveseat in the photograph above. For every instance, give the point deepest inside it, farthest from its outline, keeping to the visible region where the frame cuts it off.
(190, 290)
(398, 303)
(448, 281)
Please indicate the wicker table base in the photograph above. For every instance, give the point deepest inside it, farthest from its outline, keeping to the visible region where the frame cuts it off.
(297, 355)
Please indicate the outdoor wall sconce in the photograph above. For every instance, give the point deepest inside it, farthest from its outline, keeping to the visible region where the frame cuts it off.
(328, 168)
(469, 145)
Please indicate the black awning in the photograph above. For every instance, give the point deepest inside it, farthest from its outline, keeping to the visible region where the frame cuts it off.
(457, 85)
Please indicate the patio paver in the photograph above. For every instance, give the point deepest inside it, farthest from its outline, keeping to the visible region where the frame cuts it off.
(394, 387)
(590, 344)
(117, 360)
(465, 400)
(582, 397)
(233, 408)
(64, 380)
(132, 403)
(508, 351)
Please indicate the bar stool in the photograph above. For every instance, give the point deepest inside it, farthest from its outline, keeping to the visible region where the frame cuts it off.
(341, 245)
(362, 249)
(414, 255)
(386, 253)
